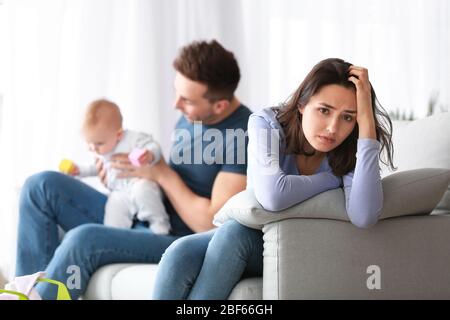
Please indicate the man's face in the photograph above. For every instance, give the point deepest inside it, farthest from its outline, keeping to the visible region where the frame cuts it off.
(190, 100)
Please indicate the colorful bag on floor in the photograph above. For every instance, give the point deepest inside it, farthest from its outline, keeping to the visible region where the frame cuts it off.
(22, 288)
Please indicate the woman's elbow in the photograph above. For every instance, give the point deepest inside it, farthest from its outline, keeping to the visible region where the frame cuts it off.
(269, 201)
(365, 220)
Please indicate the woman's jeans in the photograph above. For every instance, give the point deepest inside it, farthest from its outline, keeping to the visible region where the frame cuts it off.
(49, 199)
(208, 265)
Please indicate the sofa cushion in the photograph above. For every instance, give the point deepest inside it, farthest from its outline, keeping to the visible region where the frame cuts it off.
(423, 143)
(405, 193)
(247, 289)
(132, 281)
(99, 287)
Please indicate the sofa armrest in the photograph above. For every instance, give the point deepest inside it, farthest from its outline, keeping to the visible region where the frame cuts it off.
(405, 193)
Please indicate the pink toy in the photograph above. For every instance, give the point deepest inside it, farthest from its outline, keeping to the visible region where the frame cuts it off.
(135, 155)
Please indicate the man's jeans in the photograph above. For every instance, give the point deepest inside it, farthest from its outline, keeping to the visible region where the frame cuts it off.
(49, 199)
(208, 265)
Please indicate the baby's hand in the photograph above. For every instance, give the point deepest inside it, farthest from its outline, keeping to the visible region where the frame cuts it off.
(75, 170)
(146, 157)
(69, 167)
(101, 171)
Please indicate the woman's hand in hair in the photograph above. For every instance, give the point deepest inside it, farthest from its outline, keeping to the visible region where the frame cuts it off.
(365, 117)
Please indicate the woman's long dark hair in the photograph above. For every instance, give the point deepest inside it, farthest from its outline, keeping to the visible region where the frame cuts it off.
(342, 159)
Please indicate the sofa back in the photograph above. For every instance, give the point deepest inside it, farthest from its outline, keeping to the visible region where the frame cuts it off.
(423, 143)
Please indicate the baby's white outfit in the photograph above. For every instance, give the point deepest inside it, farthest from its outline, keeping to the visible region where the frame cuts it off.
(132, 196)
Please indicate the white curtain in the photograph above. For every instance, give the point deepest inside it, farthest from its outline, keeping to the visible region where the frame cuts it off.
(57, 55)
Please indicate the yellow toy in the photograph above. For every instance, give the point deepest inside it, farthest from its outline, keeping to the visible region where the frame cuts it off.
(66, 166)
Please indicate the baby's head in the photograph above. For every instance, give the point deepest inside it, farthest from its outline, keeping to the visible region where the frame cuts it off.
(102, 126)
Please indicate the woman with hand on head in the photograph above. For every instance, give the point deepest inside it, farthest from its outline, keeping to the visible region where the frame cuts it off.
(328, 135)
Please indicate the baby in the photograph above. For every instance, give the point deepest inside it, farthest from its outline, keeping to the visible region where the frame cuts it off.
(102, 130)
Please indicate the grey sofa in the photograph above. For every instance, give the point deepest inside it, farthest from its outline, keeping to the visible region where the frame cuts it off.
(312, 251)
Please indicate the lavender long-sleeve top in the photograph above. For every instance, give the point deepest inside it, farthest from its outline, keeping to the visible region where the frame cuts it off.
(277, 183)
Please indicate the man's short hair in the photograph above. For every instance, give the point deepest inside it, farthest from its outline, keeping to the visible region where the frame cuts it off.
(211, 64)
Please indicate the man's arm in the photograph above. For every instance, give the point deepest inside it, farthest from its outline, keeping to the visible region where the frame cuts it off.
(196, 211)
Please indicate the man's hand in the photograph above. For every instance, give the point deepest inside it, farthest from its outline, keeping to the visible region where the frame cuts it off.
(153, 172)
(146, 157)
(101, 171)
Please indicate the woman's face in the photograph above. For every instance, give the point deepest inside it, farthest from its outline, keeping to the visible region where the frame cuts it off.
(329, 117)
